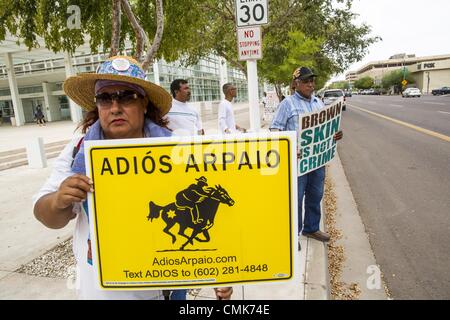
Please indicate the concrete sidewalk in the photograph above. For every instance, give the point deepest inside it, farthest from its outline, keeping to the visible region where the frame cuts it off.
(23, 238)
(12, 138)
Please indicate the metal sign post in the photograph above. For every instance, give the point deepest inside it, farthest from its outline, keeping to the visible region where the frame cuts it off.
(250, 14)
(252, 77)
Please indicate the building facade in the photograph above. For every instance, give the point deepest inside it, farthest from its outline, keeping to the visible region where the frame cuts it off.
(429, 72)
(351, 77)
(39, 82)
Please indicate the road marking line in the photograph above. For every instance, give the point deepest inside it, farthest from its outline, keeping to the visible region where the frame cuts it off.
(436, 103)
(408, 125)
(396, 105)
(444, 112)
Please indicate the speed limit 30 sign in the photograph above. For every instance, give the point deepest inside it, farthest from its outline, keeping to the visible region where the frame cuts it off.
(251, 12)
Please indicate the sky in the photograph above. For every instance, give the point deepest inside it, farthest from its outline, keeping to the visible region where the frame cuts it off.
(406, 26)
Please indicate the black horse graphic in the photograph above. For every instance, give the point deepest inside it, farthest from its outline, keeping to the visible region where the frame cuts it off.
(171, 214)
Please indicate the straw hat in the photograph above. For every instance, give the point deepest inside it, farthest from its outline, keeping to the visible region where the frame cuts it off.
(81, 88)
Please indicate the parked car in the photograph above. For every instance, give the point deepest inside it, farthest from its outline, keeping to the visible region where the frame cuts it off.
(440, 91)
(371, 92)
(411, 92)
(329, 96)
(364, 92)
(348, 94)
(374, 92)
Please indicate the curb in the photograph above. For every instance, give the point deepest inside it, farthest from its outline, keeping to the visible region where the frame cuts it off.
(317, 280)
(358, 251)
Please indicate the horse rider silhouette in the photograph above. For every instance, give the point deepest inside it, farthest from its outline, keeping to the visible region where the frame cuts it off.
(191, 196)
(171, 215)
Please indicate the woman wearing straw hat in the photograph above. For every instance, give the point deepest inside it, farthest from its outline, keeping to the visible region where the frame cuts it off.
(120, 104)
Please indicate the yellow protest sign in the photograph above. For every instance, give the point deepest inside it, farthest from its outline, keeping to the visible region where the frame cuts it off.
(170, 213)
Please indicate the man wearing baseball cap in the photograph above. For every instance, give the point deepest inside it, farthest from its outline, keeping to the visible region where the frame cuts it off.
(311, 185)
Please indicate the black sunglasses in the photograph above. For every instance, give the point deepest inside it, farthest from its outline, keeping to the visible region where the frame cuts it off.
(123, 97)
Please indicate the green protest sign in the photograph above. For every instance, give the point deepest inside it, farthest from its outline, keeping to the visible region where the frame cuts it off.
(315, 141)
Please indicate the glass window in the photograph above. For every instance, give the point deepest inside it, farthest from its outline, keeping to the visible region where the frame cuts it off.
(34, 89)
(58, 86)
(5, 92)
(58, 63)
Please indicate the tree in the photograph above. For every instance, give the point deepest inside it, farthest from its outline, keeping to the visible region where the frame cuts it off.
(194, 29)
(364, 83)
(100, 21)
(280, 59)
(394, 79)
(343, 85)
(336, 41)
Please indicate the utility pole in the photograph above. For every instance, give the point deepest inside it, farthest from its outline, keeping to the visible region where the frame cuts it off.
(404, 71)
(404, 82)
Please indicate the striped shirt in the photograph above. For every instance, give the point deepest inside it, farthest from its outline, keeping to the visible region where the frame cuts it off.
(287, 115)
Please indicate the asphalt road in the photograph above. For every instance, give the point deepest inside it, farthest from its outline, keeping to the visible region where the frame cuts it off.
(400, 178)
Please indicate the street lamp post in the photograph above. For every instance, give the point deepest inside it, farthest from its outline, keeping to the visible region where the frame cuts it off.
(404, 69)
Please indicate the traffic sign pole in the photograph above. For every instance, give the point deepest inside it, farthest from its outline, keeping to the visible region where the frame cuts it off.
(252, 77)
(250, 14)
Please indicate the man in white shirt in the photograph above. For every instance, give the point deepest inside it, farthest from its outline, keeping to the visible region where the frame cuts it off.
(227, 123)
(184, 120)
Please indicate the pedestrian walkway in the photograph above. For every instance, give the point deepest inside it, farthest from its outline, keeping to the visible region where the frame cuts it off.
(12, 138)
(23, 238)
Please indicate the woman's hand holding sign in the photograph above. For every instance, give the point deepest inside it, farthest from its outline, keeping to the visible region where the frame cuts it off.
(73, 189)
(55, 209)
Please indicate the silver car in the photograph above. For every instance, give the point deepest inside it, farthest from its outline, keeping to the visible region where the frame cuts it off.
(411, 92)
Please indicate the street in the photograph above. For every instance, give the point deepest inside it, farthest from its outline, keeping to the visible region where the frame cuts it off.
(400, 178)
(428, 112)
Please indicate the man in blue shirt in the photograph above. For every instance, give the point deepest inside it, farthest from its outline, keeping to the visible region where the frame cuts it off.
(310, 185)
